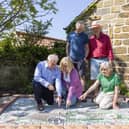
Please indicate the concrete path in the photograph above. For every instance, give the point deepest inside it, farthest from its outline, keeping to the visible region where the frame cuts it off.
(22, 114)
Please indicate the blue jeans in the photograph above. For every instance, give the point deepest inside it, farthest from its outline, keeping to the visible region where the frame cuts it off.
(65, 93)
(94, 67)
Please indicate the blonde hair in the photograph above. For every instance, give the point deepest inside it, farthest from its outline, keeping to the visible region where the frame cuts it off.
(106, 65)
(66, 61)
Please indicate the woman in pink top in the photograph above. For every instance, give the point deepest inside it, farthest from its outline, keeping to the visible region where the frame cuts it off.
(72, 88)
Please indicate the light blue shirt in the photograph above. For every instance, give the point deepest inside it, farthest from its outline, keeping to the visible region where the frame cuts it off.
(45, 76)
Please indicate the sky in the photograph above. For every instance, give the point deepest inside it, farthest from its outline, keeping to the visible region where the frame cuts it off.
(67, 11)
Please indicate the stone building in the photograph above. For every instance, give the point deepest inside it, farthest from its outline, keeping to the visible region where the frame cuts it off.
(114, 17)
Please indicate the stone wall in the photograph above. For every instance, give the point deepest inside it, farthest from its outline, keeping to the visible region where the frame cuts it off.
(114, 17)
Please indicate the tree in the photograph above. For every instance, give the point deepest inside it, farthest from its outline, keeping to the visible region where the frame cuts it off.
(14, 13)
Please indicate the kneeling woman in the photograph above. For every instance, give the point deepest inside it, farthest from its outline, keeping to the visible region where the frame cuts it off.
(109, 87)
(72, 88)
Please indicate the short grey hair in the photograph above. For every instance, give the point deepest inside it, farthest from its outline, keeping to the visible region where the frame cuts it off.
(53, 57)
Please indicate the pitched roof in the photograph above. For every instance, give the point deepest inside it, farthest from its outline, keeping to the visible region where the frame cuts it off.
(43, 37)
(84, 13)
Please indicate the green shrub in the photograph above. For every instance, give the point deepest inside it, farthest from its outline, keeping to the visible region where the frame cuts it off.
(18, 63)
(124, 90)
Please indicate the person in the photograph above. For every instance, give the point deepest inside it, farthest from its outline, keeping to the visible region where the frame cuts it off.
(109, 90)
(100, 49)
(47, 78)
(72, 88)
(77, 49)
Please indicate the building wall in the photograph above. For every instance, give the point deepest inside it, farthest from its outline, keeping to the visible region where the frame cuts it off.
(114, 17)
(41, 41)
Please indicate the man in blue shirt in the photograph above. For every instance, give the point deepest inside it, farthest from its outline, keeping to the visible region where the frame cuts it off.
(47, 78)
(77, 49)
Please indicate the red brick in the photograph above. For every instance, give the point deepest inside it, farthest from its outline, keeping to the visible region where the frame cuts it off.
(7, 127)
(28, 127)
(98, 127)
(75, 127)
(51, 127)
(120, 127)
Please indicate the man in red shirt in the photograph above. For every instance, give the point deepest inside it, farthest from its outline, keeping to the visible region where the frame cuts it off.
(100, 49)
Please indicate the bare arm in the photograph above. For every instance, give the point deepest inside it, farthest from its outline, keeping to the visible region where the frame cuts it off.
(87, 50)
(92, 87)
(115, 98)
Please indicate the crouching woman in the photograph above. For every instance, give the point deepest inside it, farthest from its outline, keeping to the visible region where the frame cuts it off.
(72, 88)
(109, 87)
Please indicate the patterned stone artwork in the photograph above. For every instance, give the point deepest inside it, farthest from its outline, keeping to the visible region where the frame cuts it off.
(23, 111)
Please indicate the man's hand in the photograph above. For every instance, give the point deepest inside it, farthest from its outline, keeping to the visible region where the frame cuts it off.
(111, 62)
(58, 101)
(51, 87)
(86, 61)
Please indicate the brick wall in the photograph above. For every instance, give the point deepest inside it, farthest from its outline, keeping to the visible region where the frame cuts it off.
(42, 40)
(114, 16)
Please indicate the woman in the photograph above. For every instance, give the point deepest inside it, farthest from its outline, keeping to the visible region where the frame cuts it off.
(72, 88)
(109, 82)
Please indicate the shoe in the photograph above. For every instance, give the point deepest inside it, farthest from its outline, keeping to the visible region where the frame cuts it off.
(40, 107)
(84, 100)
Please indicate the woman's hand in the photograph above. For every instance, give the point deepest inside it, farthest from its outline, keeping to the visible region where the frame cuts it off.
(82, 97)
(115, 106)
(68, 103)
(115, 98)
(58, 101)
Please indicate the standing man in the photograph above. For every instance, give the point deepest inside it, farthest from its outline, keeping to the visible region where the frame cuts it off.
(47, 78)
(77, 49)
(100, 49)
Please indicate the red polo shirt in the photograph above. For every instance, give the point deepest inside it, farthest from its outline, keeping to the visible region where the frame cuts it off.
(100, 47)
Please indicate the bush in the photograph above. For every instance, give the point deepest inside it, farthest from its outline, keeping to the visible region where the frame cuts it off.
(124, 90)
(18, 64)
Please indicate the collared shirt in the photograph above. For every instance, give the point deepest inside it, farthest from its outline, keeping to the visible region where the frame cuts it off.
(100, 47)
(77, 43)
(45, 76)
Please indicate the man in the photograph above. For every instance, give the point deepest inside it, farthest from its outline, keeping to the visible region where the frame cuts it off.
(100, 50)
(47, 78)
(77, 49)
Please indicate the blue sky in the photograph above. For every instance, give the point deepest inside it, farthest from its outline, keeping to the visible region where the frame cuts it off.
(67, 11)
